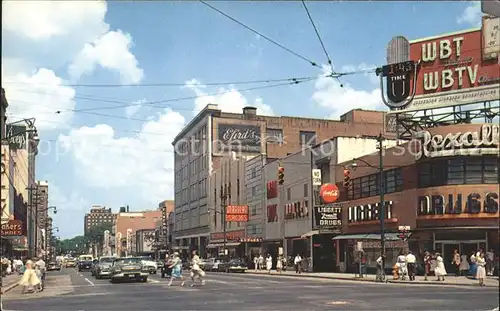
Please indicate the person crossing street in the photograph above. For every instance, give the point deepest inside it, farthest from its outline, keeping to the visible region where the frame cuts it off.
(196, 271)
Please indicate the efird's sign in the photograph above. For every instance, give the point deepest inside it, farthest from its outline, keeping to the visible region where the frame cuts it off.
(453, 71)
(243, 138)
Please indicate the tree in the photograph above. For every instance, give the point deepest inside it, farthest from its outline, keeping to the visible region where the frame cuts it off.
(96, 234)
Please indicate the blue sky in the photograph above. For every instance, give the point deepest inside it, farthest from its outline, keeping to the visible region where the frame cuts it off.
(125, 156)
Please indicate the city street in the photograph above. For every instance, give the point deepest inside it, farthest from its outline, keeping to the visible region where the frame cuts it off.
(69, 290)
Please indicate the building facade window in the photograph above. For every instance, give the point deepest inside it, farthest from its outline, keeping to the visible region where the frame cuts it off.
(306, 190)
(458, 171)
(307, 138)
(274, 136)
(369, 186)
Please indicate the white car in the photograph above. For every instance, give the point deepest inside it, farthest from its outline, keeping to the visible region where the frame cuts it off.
(151, 264)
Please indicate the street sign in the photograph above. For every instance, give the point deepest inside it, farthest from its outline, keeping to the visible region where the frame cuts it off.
(328, 218)
(316, 177)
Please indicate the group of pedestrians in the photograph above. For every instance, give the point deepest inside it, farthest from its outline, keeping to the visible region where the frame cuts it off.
(33, 275)
(196, 272)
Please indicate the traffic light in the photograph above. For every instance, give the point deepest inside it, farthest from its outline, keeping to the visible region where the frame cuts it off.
(347, 178)
(281, 175)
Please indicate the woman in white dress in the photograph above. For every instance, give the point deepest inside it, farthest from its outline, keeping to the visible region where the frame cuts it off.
(440, 270)
(196, 271)
(29, 278)
(464, 265)
(269, 263)
(481, 270)
(279, 264)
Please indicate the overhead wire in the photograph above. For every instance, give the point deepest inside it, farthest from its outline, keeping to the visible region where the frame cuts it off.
(313, 63)
(160, 84)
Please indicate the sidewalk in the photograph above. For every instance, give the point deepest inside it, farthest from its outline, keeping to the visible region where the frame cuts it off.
(9, 282)
(450, 280)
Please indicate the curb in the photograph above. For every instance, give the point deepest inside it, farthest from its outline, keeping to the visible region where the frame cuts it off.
(9, 287)
(356, 279)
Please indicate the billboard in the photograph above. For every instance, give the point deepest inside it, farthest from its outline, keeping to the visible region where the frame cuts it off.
(328, 218)
(454, 71)
(237, 213)
(242, 138)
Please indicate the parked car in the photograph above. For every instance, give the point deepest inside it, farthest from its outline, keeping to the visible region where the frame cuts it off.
(54, 266)
(233, 265)
(129, 268)
(103, 267)
(84, 265)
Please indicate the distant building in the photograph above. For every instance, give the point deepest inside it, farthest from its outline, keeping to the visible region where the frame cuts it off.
(144, 241)
(98, 216)
(127, 224)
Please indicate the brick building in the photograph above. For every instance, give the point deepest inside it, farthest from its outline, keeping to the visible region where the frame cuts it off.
(214, 134)
(99, 216)
(127, 224)
(446, 191)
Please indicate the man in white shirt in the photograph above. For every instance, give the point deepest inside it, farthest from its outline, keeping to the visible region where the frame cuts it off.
(411, 260)
(380, 263)
(298, 262)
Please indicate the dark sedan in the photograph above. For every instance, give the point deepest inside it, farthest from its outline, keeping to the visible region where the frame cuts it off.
(85, 265)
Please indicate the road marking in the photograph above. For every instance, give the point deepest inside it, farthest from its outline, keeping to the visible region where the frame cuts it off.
(89, 281)
(153, 281)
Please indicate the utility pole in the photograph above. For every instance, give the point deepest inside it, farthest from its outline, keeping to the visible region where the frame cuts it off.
(380, 140)
(224, 195)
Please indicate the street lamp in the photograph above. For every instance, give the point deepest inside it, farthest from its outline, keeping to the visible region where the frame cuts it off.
(380, 167)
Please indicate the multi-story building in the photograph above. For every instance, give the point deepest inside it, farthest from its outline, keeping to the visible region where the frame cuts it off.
(446, 191)
(214, 134)
(3, 109)
(127, 224)
(227, 188)
(255, 199)
(289, 218)
(99, 216)
(41, 205)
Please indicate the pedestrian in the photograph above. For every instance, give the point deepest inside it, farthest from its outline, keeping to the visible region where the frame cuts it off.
(29, 278)
(490, 260)
(481, 270)
(380, 269)
(472, 266)
(464, 265)
(455, 262)
(279, 264)
(297, 263)
(256, 262)
(196, 271)
(401, 264)
(176, 266)
(440, 270)
(269, 263)
(261, 262)
(427, 264)
(411, 260)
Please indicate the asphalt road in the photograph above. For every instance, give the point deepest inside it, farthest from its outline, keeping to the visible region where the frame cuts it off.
(72, 291)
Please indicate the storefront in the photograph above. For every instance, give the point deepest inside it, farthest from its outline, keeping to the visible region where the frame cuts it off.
(235, 249)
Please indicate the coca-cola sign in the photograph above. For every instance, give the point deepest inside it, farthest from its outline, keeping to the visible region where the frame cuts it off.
(245, 138)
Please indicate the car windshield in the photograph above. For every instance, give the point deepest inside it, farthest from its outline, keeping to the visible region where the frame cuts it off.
(127, 261)
(107, 259)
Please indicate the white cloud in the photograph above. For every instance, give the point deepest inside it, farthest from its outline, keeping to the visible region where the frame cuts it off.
(38, 95)
(134, 108)
(111, 51)
(329, 94)
(363, 67)
(471, 15)
(228, 100)
(142, 163)
(42, 20)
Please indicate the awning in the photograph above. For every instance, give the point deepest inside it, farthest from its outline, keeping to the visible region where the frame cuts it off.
(369, 236)
(228, 244)
(309, 234)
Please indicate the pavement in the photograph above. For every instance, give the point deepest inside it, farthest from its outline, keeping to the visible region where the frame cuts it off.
(69, 290)
(450, 280)
(9, 282)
